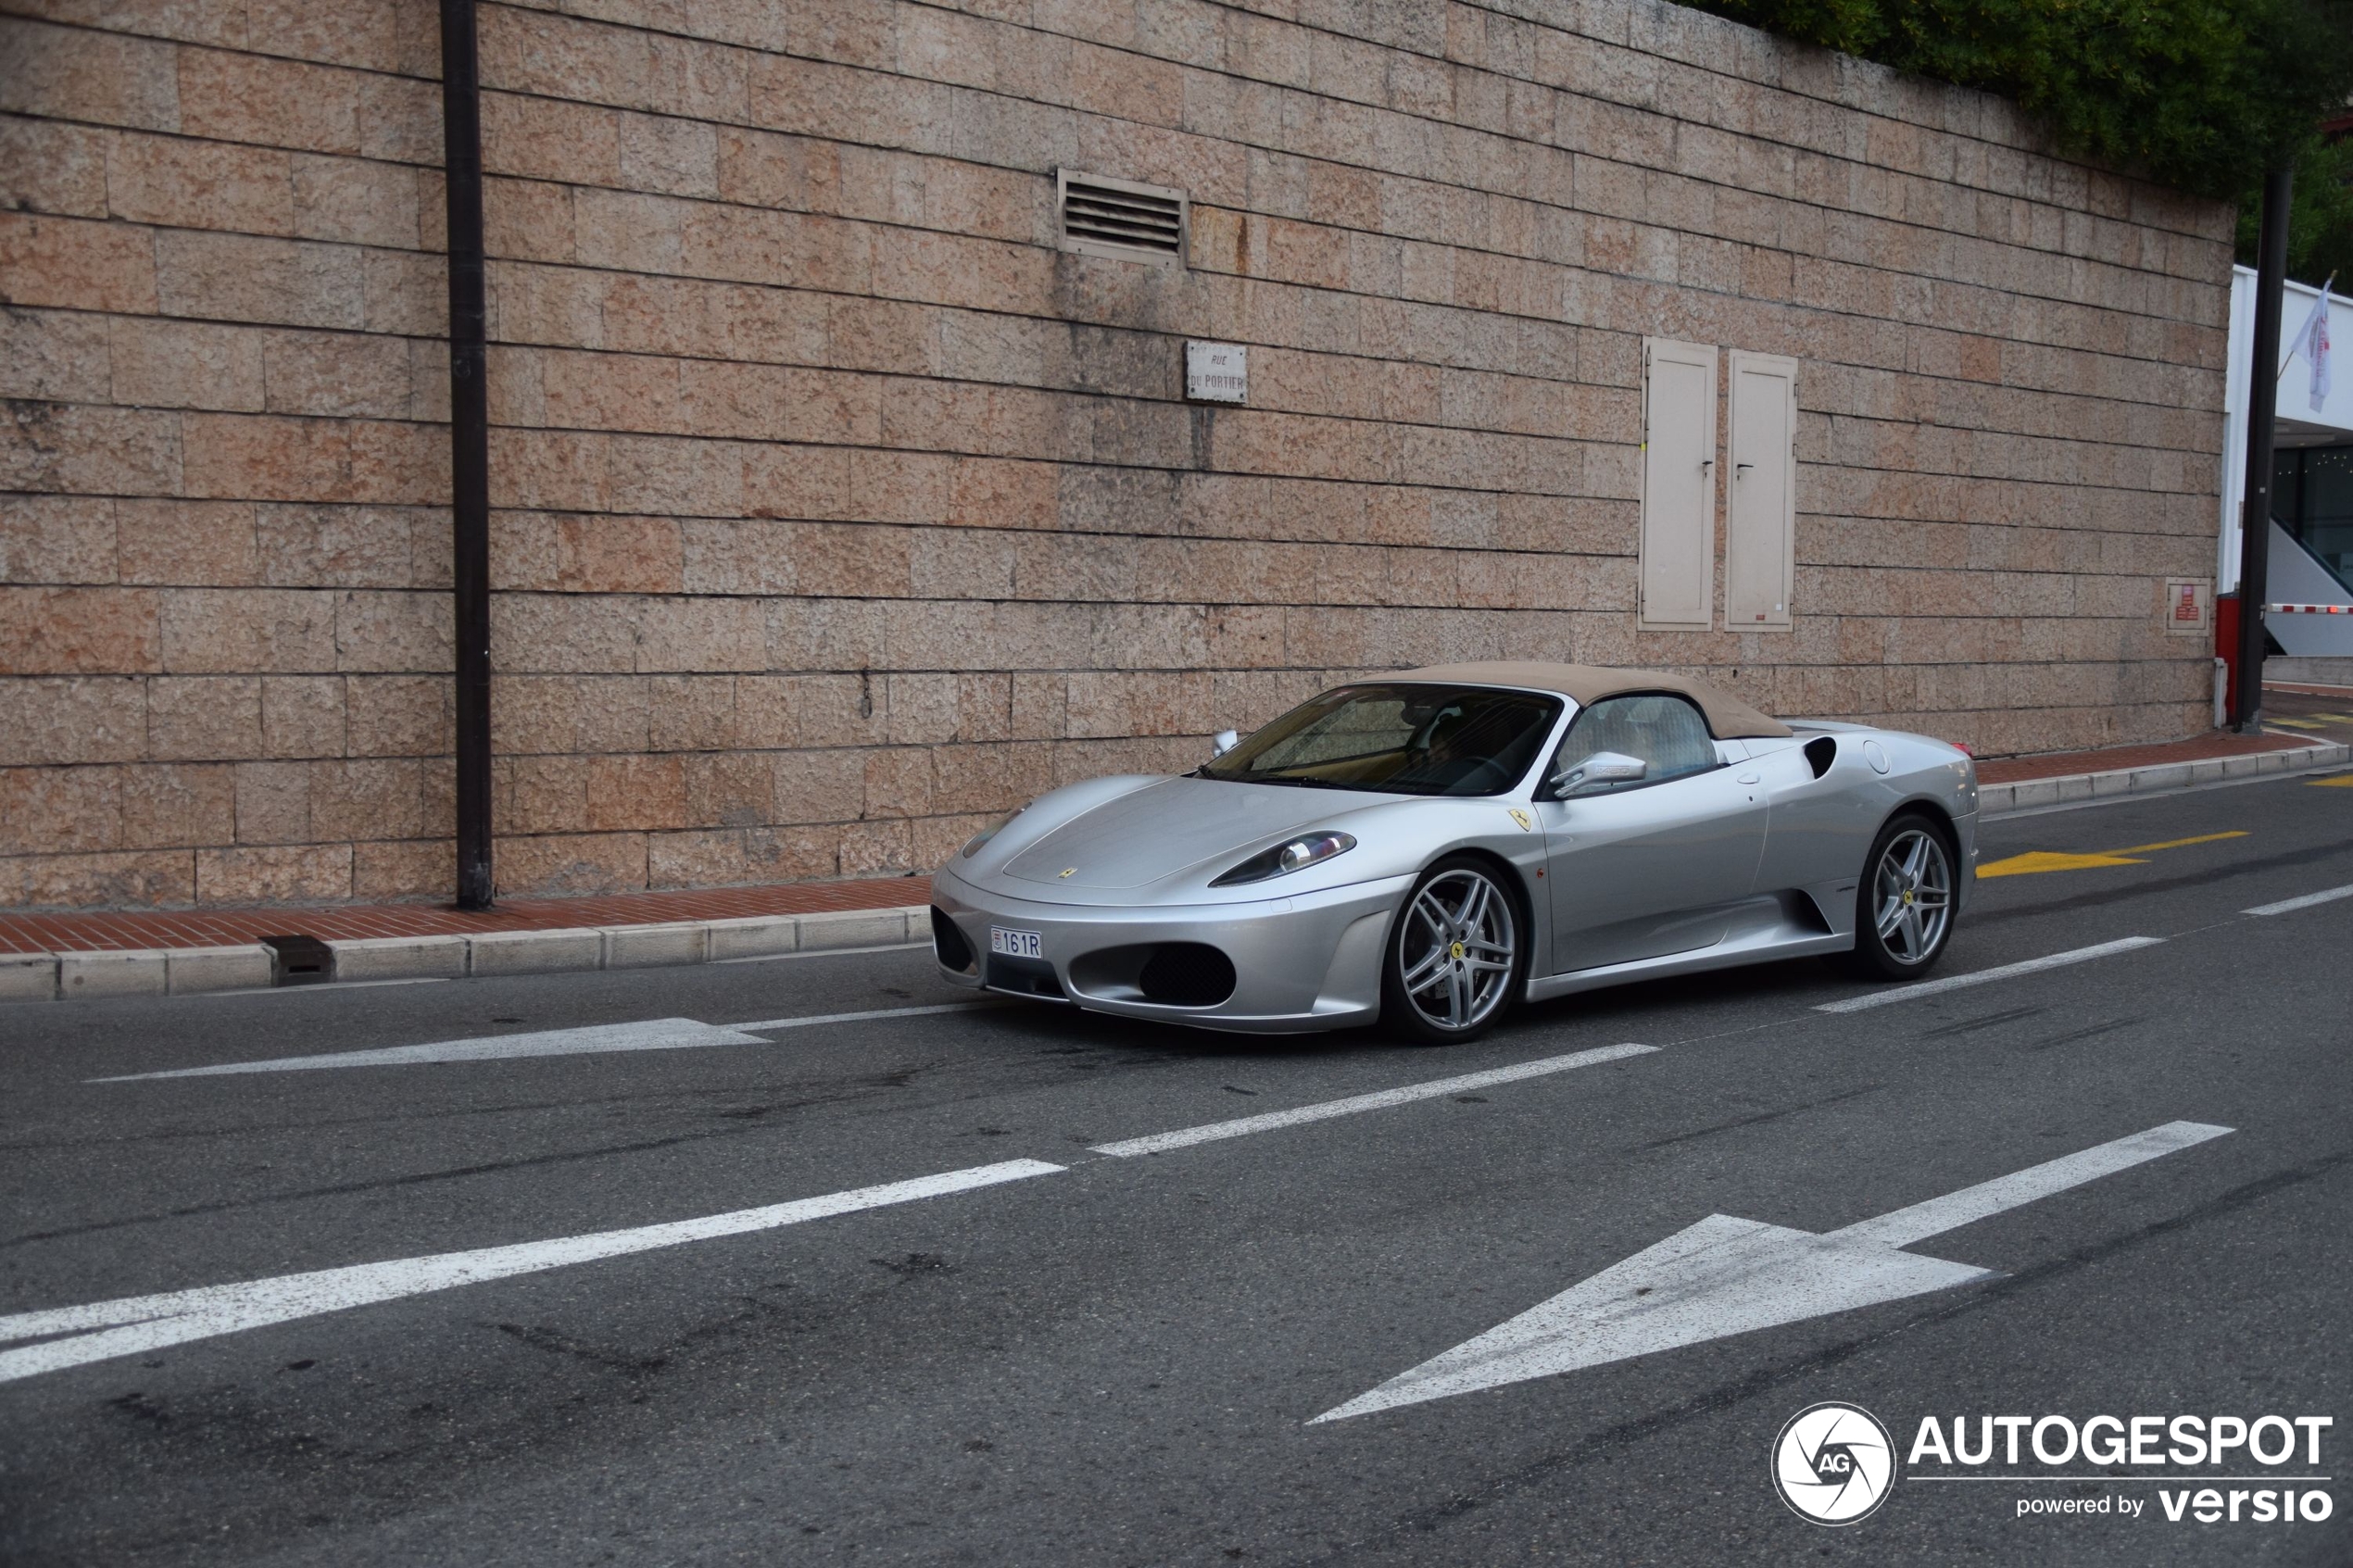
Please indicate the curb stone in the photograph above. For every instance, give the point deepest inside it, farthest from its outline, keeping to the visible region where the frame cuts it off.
(1995, 800)
(402, 958)
(518, 952)
(27, 977)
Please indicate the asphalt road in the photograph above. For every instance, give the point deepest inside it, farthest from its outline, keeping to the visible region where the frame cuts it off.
(1117, 1359)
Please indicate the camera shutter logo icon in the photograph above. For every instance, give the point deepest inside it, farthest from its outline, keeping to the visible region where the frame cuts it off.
(1834, 1463)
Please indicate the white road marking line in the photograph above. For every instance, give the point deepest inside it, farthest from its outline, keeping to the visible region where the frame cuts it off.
(1158, 1141)
(650, 1035)
(2289, 906)
(138, 1324)
(1902, 1227)
(1979, 977)
(803, 1023)
(1724, 1276)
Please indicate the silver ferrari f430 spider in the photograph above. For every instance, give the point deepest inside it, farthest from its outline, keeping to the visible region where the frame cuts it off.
(1429, 848)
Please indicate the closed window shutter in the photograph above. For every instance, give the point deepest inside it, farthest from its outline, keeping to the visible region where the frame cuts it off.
(1760, 533)
(1678, 568)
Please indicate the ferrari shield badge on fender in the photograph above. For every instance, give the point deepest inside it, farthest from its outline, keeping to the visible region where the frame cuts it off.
(1526, 824)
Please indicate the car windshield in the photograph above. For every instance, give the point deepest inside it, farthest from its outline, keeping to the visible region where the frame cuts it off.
(1398, 739)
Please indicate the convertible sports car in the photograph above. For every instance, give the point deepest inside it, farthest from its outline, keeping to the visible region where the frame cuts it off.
(1429, 848)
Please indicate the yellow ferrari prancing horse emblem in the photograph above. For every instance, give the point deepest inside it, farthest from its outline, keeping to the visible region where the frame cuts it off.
(1070, 870)
(1527, 824)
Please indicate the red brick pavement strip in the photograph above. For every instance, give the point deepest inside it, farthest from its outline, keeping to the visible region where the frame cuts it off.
(112, 931)
(119, 931)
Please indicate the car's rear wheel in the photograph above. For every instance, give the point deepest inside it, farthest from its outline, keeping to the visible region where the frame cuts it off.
(1456, 954)
(1904, 907)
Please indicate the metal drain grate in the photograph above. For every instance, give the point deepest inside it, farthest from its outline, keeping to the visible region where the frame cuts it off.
(300, 960)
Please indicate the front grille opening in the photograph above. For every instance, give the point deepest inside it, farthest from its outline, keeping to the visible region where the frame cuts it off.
(1101, 215)
(947, 942)
(1187, 974)
(1024, 977)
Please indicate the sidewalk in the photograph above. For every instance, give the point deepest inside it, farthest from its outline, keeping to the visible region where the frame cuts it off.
(116, 931)
(2019, 784)
(162, 952)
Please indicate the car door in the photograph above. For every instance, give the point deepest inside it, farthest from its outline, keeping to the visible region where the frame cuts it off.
(1657, 866)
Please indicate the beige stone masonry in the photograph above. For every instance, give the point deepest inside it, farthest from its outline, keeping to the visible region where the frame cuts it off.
(837, 509)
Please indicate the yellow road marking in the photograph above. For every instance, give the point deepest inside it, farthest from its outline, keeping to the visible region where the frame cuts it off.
(2049, 860)
(2037, 860)
(2341, 781)
(2295, 723)
(2180, 843)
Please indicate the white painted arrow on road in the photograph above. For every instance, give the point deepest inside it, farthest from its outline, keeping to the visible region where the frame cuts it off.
(1725, 1276)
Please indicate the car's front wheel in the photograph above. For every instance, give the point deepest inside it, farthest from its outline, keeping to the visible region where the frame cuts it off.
(1456, 954)
(1903, 909)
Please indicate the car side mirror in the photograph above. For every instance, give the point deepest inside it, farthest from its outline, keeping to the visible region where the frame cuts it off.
(1600, 772)
(1223, 742)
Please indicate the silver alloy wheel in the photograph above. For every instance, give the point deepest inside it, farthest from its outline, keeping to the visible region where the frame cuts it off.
(1914, 891)
(1456, 950)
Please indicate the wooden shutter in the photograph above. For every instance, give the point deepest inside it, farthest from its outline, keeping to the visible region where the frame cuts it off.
(1678, 486)
(1760, 534)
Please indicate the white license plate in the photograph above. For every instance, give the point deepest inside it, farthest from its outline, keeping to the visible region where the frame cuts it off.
(1016, 943)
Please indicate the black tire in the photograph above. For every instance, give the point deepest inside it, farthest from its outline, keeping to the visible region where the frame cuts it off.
(1445, 936)
(1904, 905)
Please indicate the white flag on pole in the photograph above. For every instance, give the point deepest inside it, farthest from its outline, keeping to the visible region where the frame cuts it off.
(2311, 340)
(2316, 349)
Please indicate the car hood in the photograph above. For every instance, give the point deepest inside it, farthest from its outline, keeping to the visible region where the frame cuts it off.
(1158, 831)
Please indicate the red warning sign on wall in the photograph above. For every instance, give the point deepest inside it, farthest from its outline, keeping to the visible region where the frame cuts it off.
(2186, 604)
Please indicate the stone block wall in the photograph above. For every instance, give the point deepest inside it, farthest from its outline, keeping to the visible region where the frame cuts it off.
(838, 508)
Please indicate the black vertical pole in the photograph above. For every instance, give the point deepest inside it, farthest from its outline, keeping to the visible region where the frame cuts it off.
(2262, 411)
(469, 446)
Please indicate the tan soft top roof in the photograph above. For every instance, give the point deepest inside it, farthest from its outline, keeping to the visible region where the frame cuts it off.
(1727, 716)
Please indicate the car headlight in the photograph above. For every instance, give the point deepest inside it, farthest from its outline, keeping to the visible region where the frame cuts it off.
(1298, 854)
(972, 844)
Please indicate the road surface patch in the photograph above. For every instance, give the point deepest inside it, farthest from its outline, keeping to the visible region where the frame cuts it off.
(74, 1335)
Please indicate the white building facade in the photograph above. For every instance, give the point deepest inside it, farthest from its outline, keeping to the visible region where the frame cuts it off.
(2311, 558)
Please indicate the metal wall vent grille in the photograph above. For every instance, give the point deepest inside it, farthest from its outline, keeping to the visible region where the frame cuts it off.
(1119, 218)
